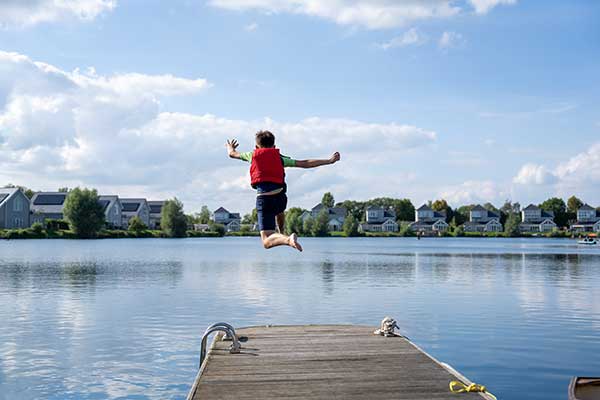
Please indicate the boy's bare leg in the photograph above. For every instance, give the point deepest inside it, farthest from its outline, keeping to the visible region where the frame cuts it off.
(281, 222)
(273, 239)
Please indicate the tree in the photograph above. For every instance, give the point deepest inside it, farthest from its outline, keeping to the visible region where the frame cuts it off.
(559, 208)
(490, 207)
(307, 226)
(218, 228)
(350, 226)
(136, 225)
(321, 225)
(173, 221)
(511, 228)
(63, 190)
(328, 200)
(509, 208)
(574, 204)
(84, 213)
(250, 219)
(442, 206)
(293, 220)
(354, 208)
(204, 215)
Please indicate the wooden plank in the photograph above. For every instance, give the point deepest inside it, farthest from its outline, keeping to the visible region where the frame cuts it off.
(322, 362)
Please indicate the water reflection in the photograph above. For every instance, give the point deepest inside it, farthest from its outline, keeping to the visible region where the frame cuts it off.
(122, 319)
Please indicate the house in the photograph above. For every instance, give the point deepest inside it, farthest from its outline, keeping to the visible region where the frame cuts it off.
(483, 220)
(47, 205)
(155, 213)
(379, 219)
(201, 227)
(428, 220)
(588, 220)
(336, 216)
(534, 219)
(14, 209)
(231, 221)
(134, 208)
(112, 210)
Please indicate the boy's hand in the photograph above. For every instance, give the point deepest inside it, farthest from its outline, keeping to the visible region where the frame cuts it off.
(232, 145)
(334, 158)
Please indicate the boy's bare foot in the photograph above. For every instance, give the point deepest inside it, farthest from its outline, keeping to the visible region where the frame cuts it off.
(294, 242)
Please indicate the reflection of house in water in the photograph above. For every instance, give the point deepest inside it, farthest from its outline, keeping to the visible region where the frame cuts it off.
(328, 275)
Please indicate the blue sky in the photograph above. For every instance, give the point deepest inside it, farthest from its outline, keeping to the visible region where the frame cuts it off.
(473, 101)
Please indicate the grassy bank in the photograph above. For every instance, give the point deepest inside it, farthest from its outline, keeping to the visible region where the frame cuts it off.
(31, 233)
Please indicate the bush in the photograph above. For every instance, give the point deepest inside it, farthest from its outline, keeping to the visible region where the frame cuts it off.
(37, 228)
(56, 224)
(173, 220)
(136, 225)
(84, 213)
(219, 229)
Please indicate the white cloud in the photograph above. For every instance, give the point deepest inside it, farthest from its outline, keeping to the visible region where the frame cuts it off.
(483, 6)
(412, 37)
(371, 14)
(472, 192)
(251, 27)
(31, 12)
(533, 174)
(451, 39)
(583, 168)
(60, 128)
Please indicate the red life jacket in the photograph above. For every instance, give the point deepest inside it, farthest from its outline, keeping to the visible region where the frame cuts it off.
(267, 166)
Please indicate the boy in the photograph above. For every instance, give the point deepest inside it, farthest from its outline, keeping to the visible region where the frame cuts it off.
(268, 178)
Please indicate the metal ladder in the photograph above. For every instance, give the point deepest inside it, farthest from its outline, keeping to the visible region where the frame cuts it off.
(229, 335)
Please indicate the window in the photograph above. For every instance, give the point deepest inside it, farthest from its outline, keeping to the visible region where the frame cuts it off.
(18, 222)
(18, 204)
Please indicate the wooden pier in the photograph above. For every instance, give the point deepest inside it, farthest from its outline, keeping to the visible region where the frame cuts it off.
(323, 362)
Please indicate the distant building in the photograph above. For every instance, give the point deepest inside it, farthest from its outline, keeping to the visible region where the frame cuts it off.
(47, 205)
(14, 209)
(201, 227)
(112, 210)
(134, 208)
(155, 213)
(231, 221)
(336, 216)
(588, 220)
(427, 220)
(483, 220)
(379, 219)
(534, 219)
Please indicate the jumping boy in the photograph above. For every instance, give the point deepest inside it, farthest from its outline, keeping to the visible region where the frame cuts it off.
(268, 178)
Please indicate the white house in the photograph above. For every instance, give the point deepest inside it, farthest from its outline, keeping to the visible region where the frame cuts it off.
(428, 220)
(379, 219)
(47, 205)
(14, 209)
(483, 220)
(134, 208)
(588, 220)
(231, 221)
(336, 216)
(534, 219)
(112, 210)
(155, 213)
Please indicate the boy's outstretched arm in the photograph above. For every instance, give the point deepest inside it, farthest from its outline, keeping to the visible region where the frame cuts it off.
(232, 146)
(317, 163)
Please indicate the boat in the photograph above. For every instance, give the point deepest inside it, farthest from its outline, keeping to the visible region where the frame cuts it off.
(588, 241)
(584, 388)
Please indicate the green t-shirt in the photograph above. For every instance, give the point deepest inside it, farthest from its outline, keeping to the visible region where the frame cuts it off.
(287, 161)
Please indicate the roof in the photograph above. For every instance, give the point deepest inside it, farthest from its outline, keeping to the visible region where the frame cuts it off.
(131, 205)
(479, 207)
(531, 207)
(586, 207)
(221, 210)
(585, 223)
(7, 193)
(156, 206)
(318, 207)
(340, 211)
(107, 200)
(48, 202)
(424, 207)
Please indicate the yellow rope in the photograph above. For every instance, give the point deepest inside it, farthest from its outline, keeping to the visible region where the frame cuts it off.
(459, 387)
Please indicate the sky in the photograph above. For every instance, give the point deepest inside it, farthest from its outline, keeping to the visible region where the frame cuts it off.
(471, 100)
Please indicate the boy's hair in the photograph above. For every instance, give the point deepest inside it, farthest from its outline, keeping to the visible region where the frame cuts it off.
(265, 139)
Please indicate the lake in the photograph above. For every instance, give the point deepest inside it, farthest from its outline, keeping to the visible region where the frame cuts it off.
(122, 319)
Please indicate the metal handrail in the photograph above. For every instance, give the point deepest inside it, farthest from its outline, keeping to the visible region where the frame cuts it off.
(226, 325)
(235, 346)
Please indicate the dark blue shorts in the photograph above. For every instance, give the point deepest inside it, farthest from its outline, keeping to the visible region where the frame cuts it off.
(267, 208)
